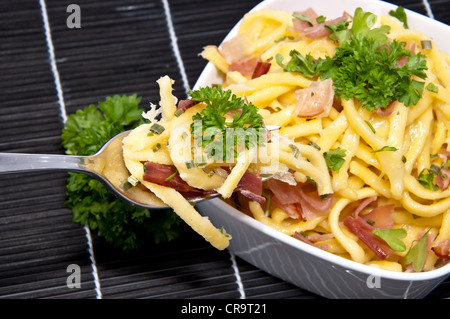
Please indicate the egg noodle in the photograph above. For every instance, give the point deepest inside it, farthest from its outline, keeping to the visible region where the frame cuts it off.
(416, 133)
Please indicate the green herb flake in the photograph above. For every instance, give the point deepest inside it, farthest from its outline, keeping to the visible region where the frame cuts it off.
(392, 237)
(432, 88)
(371, 127)
(426, 179)
(335, 159)
(284, 38)
(385, 149)
(302, 18)
(417, 254)
(400, 14)
(321, 19)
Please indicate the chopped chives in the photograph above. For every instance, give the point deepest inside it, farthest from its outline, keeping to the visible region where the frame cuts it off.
(295, 150)
(189, 164)
(157, 128)
(426, 44)
(133, 180)
(315, 145)
(156, 147)
(178, 112)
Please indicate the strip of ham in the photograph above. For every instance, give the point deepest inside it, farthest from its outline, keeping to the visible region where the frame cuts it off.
(316, 100)
(161, 174)
(381, 217)
(317, 30)
(309, 241)
(250, 184)
(299, 201)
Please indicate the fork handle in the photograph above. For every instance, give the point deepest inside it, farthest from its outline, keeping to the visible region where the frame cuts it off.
(22, 162)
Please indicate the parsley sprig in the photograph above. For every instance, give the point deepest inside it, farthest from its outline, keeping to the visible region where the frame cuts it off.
(120, 224)
(365, 65)
(226, 123)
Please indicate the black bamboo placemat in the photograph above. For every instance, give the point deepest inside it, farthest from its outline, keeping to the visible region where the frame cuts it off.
(48, 71)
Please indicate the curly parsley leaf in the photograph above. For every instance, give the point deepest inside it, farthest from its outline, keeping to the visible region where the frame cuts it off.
(221, 137)
(298, 63)
(120, 224)
(365, 66)
(365, 69)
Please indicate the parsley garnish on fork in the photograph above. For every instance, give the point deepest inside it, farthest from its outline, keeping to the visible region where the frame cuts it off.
(226, 123)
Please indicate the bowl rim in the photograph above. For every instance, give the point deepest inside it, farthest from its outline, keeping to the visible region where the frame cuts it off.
(348, 264)
(210, 72)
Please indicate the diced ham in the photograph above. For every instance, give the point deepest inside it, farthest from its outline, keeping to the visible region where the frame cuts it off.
(442, 250)
(317, 30)
(443, 179)
(362, 225)
(261, 69)
(387, 110)
(316, 100)
(299, 201)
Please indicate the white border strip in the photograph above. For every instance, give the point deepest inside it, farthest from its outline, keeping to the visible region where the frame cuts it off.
(238, 276)
(174, 42)
(51, 53)
(63, 113)
(427, 6)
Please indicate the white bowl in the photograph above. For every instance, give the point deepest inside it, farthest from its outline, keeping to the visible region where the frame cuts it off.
(285, 257)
